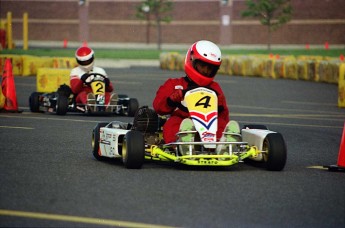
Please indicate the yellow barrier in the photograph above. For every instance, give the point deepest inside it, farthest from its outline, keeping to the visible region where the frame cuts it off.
(334, 65)
(32, 63)
(64, 62)
(341, 86)
(49, 79)
(237, 65)
(163, 60)
(26, 65)
(310, 68)
(224, 66)
(17, 63)
(258, 65)
(279, 69)
(2, 98)
(291, 69)
(269, 69)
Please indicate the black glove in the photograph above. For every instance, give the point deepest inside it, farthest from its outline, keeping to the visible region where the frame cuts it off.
(175, 98)
(106, 82)
(84, 77)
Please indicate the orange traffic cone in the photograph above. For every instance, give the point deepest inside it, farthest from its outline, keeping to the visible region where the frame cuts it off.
(9, 88)
(340, 166)
(65, 42)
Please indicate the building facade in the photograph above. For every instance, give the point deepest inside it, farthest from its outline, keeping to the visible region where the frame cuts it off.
(313, 22)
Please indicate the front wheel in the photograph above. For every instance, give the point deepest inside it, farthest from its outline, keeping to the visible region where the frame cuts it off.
(133, 150)
(34, 102)
(132, 107)
(61, 105)
(276, 152)
(95, 140)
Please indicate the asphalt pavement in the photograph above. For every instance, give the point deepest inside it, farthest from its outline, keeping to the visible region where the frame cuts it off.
(49, 177)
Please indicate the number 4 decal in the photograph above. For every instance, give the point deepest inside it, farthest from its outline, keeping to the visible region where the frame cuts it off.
(204, 101)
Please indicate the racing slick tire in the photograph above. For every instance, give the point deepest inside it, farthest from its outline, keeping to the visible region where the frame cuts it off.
(133, 106)
(275, 158)
(95, 140)
(133, 150)
(61, 105)
(34, 102)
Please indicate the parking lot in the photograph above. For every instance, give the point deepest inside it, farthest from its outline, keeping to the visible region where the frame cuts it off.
(49, 177)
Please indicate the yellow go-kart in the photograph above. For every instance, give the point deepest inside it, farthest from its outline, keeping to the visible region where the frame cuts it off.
(142, 140)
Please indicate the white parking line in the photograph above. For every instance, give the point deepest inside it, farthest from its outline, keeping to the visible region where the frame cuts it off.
(25, 128)
(76, 219)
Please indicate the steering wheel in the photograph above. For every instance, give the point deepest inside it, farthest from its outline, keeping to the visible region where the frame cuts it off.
(92, 76)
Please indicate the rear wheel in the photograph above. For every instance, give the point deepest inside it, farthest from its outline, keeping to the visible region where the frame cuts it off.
(34, 102)
(61, 105)
(275, 146)
(132, 107)
(133, 150)
(95, 140)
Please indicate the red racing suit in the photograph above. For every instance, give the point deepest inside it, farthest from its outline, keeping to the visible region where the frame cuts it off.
(80, 89)
(164, 106)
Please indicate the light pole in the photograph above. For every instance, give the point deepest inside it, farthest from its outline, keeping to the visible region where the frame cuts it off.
(146, 9)
(83, 20)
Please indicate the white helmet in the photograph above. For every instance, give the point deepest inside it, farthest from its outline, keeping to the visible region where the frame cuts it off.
(206, 52)
(85, 58)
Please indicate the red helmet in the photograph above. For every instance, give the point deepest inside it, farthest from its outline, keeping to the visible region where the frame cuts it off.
(206, 52)
(85, 57)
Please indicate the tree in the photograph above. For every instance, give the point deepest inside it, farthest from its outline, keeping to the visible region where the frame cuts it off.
(271, 13)
(158, 11)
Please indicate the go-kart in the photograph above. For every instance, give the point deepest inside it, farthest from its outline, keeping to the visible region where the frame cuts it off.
(63, 100)
(142, 140)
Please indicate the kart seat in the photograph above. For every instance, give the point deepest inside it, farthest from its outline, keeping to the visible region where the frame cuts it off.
(145, 120)
(64, 90)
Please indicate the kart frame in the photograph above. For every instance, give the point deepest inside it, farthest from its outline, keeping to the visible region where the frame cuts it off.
(258, 144)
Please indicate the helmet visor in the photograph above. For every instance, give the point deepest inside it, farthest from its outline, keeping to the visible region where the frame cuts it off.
(86, 62)
(206, 69)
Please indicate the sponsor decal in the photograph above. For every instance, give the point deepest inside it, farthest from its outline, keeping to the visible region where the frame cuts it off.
(104, 142)
(208, 136)
(205, 120)
(208, 162)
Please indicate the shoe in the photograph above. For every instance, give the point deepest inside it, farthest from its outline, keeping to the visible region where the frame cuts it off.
(230, 129)
(231, 134)
(91, 101)
(186, 125)
(114, 98)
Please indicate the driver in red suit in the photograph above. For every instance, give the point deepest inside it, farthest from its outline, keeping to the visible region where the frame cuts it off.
(79, 76)
(201, 65)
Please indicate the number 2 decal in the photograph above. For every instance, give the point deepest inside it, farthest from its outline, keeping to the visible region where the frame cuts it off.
(100, 87)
